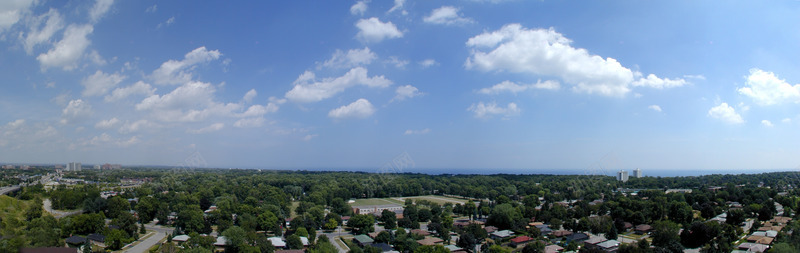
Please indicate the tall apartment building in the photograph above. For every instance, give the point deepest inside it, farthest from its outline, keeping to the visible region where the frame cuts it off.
(637, 173)
(622, 176)
(73, 166)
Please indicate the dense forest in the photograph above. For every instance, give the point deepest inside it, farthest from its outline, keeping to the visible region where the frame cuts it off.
(282, 202)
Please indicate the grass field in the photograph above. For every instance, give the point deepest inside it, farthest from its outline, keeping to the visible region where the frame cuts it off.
(401, 200)
(11, 207)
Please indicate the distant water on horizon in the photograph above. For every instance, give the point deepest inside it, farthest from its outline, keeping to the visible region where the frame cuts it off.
(607, 172)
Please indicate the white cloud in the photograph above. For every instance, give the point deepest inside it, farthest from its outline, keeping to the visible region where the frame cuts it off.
(16, 124)
(248, 97)
(359, 8)
(249, 122)
(96, 58)
(412, 132)
(654, 108)
(75, 111)
(68, 51)
(107, 124)
(485, 111)
(211, 128)
(11, 11)
(373, 30)
(169, 22)
(259, 110)
(653, 81)
(151, 9)
(188, 96)
(139, 88)
(765, 88)
(137, 126)
(446, 15)
(508, 86)
(42, 28)
(353, 58)
(179, 72)
(308, 137)
(406, 91)
(766, 123)
(99, 9)
(306, 89)
(546, 52)
(398, 6)
(725, 113)
(100, 83)
(105, 139)
(698, 77)
(397, 62)
(359, 109)
(428, 63)
(786, 120)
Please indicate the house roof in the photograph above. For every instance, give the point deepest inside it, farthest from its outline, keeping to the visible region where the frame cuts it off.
(76, 240)
(363, 239)
(560, 233)
(290, 251)
(48, 250)
(453, 248)
(608, 244)
(277, 242)
(430, 241)
(96, 237)
(503, 233)
(521, 239)
(760, 239)
(753, 247)
(595, 240)
(383, 246)
(577, 237)
(490, 229)
(181, 238)
(420, 232)
(643, 227)
(221, 241)
(304, 240)
(553, 248)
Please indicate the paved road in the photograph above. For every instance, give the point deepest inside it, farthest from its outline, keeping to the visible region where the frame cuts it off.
(6, 190)
(48, 206)
(334, 236)
(147, 243)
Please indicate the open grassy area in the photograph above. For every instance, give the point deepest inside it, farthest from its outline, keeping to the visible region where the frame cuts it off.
(375, 202)
(11, 207)
(436, 199)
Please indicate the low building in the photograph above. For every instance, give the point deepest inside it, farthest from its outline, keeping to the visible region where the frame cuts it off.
(383, 246)
(363, 240)
(48, 250)
(608, 246)
(753, 247)
(578, 237)
(521, 240)
(430, 241)
(561, 233)
(642, 229)
(455, 249)
(502, 234)
(181, 238)
(277, 242)
(553, 248)
(376, 208)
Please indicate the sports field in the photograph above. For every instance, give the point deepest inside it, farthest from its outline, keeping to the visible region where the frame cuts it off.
(401, 200)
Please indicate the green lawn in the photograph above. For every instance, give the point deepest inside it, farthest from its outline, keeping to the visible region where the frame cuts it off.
(441, 200)
(11, 207)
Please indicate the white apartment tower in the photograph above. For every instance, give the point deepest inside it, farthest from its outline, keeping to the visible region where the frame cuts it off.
(637, 173)
(74, 166)
(622, 176)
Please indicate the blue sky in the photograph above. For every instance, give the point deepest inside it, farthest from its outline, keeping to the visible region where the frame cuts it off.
(514, 85)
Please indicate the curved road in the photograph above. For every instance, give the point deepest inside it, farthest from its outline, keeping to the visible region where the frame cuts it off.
(48, 206)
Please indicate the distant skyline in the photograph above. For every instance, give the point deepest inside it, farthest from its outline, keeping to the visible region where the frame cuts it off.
(525, 86)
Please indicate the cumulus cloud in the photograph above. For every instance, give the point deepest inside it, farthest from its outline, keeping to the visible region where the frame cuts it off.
(398, 6)
(211, 128)
(179, 72)
(397, 62)
(139, 88)
(726, 113)
(99, 9)
(654, 81)
(190, 95)
(786, 120)
(248, 97)
(546, 52)
(512, 87)
(306, 89)
(654, 108)
(107, 124)
(446, 15)
(353, 58)
(373, 30)
(69, 49)
(766, 123)
(75, 111)
(359, 8)
(250, 122)
(105, 139)
(42, 28)
(100, 83)
(765, 88)
(428, 63)
(359, 109)
(406, 91)
(309, 137)
(137, 126)
(485, 111)
(413, 132)
(12, 11)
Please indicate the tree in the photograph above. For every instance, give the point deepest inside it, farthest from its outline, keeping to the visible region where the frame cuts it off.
(424, 215)
(323, 245)
(735, 216)
(533, 247)
(362, 223)
(235, 239)
(498, 249)
(665, 235)
(383, 237)
(34, 211)
(267, 221)
(431, 249)
(116, 206)
(44, 232)
(302, 232)
(294, 242)
(126, 222)
(389, 219)
(191, 220)
(503, 216)
(331, 224)
(146, 208)
(116, 238)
